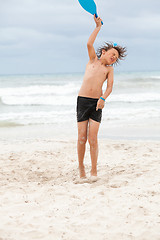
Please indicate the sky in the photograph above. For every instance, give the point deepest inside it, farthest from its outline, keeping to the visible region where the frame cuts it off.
(50, 36)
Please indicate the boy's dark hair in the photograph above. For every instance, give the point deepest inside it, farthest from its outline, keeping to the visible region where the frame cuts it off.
(108, 45)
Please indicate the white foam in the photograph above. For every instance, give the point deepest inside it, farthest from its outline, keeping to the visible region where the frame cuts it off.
(135, 97)
(65, 89)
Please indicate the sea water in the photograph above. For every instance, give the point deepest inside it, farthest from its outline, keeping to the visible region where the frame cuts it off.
(50, 99)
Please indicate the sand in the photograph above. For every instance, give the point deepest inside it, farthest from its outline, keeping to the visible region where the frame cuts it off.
(39, 197)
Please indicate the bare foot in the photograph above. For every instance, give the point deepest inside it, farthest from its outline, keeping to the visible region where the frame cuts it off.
(94, 173)
(81, 180)
(93, 179)
(82, 172)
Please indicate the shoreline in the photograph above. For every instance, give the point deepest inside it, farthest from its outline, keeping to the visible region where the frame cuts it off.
(69, 131)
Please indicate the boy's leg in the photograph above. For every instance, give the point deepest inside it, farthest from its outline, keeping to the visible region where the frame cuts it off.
(81, 145)
(93, 141)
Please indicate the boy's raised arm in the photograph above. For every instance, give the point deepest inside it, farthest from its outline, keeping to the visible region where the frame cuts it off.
(91, 50)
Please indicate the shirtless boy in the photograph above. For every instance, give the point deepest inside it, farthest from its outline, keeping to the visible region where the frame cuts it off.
(91, 99)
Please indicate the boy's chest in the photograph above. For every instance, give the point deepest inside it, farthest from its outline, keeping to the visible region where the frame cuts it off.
(97, 71)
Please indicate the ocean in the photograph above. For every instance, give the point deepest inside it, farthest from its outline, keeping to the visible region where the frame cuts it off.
(50, 99)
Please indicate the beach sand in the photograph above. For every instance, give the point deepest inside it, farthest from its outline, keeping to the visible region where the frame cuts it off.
(39, 197)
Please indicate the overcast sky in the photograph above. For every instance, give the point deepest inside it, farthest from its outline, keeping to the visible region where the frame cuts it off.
(50, 36)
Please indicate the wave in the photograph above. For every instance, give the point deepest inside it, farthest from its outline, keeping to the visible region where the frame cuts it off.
(71, 101)
(69, 116)
(55, 90)
(135, 97)
(62, 100)
(39, 100)
(40, 117)
(39, 95)
(2, 103)
(155, 78)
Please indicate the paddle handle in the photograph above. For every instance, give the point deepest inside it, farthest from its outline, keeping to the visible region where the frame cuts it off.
(97, 16)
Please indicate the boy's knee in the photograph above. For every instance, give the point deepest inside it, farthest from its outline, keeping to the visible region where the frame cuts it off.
(82, 140)
(92, 141)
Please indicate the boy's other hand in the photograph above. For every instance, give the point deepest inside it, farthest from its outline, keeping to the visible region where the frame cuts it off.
(98, 21)
(100, 104)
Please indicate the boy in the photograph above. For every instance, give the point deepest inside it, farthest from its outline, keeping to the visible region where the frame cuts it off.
(91, 99)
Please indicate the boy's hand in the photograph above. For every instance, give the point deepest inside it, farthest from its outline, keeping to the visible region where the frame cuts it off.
(100, 104)
(98, 21)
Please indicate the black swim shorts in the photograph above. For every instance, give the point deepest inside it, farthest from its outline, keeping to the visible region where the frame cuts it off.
(86, 108)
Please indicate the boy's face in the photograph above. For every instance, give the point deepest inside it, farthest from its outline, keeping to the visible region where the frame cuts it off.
(111, 56)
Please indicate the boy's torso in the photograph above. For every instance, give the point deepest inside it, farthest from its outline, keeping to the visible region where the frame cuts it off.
(95, 76)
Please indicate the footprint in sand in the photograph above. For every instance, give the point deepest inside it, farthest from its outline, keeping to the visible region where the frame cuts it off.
(118, 185)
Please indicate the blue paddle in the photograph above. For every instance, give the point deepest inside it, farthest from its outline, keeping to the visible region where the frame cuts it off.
(89, 6)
